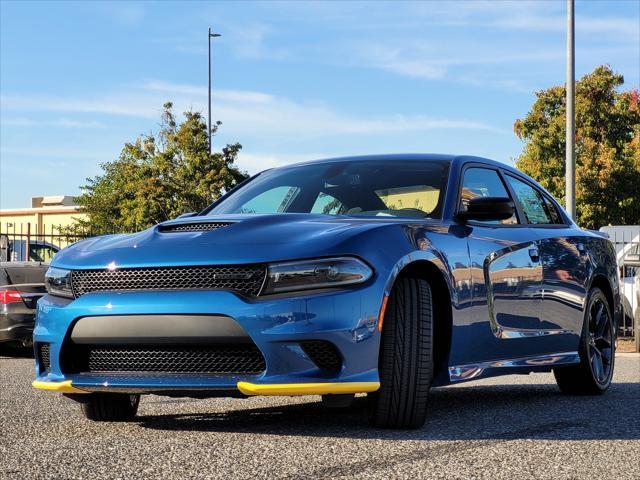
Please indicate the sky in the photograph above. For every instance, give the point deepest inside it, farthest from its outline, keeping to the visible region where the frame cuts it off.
(293, 81)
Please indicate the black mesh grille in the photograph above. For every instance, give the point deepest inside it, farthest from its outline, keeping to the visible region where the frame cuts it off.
(245, 279)
(217, 359)
(324, 354)
(193, 227)
(44, 356)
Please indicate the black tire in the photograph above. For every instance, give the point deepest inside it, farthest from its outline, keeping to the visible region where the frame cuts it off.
(406, 357)
(592, 376)
(111, 407)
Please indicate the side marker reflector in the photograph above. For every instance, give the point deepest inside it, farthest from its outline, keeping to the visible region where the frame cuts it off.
(383, 310)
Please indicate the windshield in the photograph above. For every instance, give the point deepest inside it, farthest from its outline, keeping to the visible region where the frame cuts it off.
(375, 188)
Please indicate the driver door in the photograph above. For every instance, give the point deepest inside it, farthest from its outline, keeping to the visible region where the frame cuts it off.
(506, 273)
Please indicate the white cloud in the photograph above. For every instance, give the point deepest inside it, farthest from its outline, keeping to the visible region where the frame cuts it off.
(243, 113)
(60, 122)
(396, 17)
(110, 104)
(250, 41)
(258, 161)
(125, 13)
(420, 62)
(461, 40)
(245, 40)
(201, 91)
(399, 60)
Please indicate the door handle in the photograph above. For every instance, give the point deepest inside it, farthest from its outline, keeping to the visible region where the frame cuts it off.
(534, 254)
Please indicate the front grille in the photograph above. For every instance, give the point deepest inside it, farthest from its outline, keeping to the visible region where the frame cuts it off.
(212, 359)
(247, 279)
(193, 227)
(44, 356)
(324, 354)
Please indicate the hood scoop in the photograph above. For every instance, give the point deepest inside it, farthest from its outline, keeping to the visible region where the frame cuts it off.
(192, 227)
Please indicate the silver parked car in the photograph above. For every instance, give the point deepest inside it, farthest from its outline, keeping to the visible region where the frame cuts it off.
(631, 270)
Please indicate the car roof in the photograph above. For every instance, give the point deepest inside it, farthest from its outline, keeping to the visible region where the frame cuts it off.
(390, 157)
(377, 158)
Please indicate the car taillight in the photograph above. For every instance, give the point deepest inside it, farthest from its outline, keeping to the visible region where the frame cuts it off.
(9, 296)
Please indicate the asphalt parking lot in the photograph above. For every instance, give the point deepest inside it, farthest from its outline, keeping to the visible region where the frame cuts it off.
(510, 427)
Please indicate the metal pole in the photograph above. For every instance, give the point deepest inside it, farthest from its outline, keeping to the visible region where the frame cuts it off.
(28, 242)
(211, 35)
(570, 158)
(209, 103)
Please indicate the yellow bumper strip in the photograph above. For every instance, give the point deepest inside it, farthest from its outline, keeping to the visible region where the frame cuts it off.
(62, 387)
(248, 388)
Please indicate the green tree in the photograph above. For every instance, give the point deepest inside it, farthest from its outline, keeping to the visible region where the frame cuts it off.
(607, 147)
(158, 177)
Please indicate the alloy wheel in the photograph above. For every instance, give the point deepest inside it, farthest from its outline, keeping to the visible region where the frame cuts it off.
(600, 341)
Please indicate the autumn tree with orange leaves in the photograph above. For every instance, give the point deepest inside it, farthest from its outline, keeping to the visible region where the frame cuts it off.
(607, 147)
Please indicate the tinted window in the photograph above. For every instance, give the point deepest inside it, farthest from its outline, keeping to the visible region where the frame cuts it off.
(41, 253)
(270, 201)
(327, 204)
(556, 218)
(383, 188)
(533, 205)
(483, 182)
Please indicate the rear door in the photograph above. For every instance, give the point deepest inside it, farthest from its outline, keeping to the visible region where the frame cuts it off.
(563, 252)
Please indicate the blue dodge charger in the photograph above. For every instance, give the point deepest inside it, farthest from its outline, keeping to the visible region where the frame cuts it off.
(385, 275)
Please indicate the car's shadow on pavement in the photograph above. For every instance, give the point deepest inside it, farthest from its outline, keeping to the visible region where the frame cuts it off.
(504, 412)
(16, 351)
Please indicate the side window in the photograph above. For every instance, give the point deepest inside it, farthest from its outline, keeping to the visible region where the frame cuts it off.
(483, 182)
(327, 204)
(533, 205)
(271, 201)
(41, 253)
(556, 218)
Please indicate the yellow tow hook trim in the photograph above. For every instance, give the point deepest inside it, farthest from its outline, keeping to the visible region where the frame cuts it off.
(62, 387)
(249, 388)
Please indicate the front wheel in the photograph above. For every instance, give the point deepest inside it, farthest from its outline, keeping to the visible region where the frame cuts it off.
(406, 357)
(111, 407)
(593, 374)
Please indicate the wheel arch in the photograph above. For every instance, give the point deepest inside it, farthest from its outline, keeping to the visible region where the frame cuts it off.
(442, 305)
(602, 282)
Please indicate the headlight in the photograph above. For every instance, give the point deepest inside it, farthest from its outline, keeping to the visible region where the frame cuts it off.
(58, 282)
(313, 274)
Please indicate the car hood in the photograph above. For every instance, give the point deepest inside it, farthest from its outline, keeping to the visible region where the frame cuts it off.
(241, 239)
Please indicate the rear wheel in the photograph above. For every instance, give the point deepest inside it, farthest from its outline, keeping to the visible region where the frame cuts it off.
(593, 374)
(406, 357)
(111, 407)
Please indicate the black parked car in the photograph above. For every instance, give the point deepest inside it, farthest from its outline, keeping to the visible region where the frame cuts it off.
(21, 285)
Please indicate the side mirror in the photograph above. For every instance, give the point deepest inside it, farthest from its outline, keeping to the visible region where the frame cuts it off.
(488, 208)
(187, 215)
(631, 260)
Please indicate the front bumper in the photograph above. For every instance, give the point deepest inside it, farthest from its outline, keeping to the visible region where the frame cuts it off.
(346, 318)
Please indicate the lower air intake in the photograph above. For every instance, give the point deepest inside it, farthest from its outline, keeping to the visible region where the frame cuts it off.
(44, 356)
(324, 354)
(211, 359)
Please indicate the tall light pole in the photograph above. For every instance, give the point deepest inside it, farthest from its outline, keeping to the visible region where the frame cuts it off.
(570, 156)
(210, 36)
